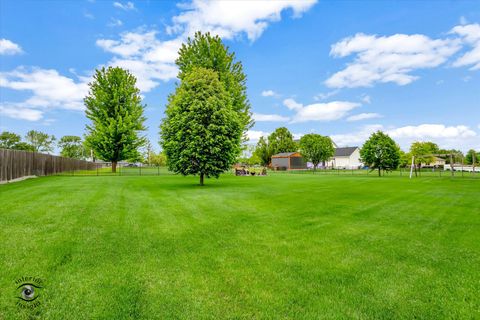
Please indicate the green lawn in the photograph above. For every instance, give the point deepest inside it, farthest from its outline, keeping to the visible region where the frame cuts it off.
(275, 247)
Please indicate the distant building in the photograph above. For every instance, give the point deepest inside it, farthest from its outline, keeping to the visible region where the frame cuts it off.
(437, 162)
(345, 158)
(288, 161)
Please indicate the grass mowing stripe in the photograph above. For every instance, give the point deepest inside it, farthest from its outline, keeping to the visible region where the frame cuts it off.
(281, 246)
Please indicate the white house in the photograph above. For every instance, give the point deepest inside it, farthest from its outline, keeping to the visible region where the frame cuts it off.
(346, 158)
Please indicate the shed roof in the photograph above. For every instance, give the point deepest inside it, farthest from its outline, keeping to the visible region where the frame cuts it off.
(285, 154)
(344, 152)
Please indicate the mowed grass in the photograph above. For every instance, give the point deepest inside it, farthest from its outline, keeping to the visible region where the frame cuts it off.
(275, 247)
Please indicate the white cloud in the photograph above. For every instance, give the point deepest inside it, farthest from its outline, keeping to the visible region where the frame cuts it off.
(292, 104)
(366, 99)
(152, 60)
(269, 117)
(231, 18)
(427, 131)
(49, 90)
(388, 58)
(319, 111)
(8, 47)
(445, 136)
(149, 59)
(254, 135)
(115, 22)
(355, 138)
(364, 116)
(18, 112)
(88, 15)
(268, 93)
(130, 43)
(323, 96)
(124, 6)
(470, 35)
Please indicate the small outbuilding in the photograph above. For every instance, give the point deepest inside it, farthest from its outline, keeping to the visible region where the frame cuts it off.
(288, 161)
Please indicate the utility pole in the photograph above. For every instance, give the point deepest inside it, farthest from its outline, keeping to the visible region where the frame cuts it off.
(451, 163)
(473, 161)
(411, 167)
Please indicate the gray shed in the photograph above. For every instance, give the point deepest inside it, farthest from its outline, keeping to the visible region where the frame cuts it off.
(288, 161)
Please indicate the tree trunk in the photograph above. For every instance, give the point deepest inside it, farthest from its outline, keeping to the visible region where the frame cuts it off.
(201, 179)
(379, 172)
(114, 166)
(315, 167)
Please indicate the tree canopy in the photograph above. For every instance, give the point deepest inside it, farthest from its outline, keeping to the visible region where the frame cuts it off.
(380, 152)
(207, 51)
(423, 152)
(316, 148)
(72, 147)
(281, 140)
(262, 152)
(40, 141)
(114, 107)
(8, 140)
(471, 156)
(201, 132)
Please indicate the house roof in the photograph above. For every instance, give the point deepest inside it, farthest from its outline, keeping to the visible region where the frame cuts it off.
(344, 152)
(284, 154)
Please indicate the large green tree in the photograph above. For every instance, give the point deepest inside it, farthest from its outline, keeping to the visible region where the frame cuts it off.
(424, 152)
(262, 152)
(8, 140)
(115, 109)
(316, 148)
(40, 141)
(281, 140)
(380, 152)
(72, 147)
(207, 51)
(201, 133)
(471, 156)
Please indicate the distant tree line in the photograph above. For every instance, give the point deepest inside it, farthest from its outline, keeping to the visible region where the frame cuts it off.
(206, 121)
(380, 152)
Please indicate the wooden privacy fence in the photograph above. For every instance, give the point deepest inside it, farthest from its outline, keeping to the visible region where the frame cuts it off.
(15, 164)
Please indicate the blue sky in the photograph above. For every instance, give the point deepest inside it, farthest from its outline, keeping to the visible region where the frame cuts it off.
(338, 68)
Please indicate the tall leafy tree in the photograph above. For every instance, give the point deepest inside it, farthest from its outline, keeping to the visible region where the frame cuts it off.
(424, 152)
(471, 156)
(207, 51)
(72, 147)
(316, 148)
(405, 159)
(201, 132)
(262, 152)
(8, 140)
(281, 140)
(157, 159)
(40, 141)
(380, 152)
(115, 109)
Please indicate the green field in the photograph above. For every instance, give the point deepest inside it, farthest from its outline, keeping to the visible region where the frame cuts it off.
(276, 247)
